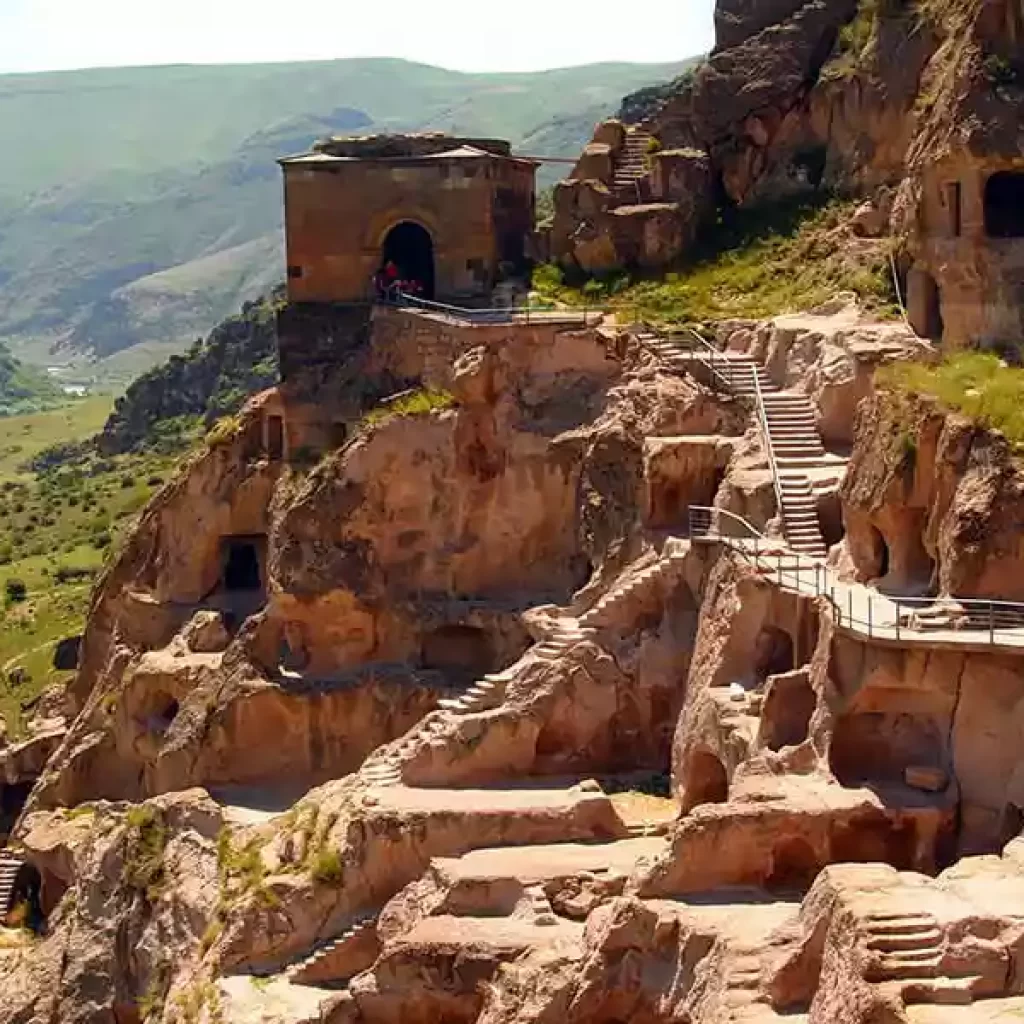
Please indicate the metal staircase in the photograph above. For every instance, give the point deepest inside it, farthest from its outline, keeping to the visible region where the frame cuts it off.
(787, 422)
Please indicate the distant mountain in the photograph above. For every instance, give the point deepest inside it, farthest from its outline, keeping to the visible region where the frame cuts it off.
(140, 206)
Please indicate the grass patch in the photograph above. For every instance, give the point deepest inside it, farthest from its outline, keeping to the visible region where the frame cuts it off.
(778, 258)
(420, 402)
(241, 871)
(977, 384)
(23, 437)
(326, 867)
(144, 859)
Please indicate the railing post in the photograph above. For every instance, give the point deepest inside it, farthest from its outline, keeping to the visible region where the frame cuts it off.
(871, 628)
(849, 603)
(991, 623)
(898, 617)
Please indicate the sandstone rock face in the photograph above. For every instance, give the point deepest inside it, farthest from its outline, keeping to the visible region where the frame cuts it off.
(909, 113)
(830, 354)
(438, 685)
(921, 482)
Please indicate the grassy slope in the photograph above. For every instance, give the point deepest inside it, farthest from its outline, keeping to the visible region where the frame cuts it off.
(774, 259)
(23, 388)
(143, 170)
(978, 384)
(60, 520)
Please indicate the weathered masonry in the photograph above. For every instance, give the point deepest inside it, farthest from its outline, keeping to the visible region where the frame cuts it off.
(453, 214)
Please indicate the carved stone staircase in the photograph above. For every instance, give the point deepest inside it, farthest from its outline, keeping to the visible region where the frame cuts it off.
(385, 769)
(631, 167)
(906, 951)
(340, 958)
(10, 865)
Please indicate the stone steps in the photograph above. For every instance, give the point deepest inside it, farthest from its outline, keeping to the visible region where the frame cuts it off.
(792, 430)
(631, 166)
(300, 972)
(485, 694)
(595, 615)
(10, 865)
(907, 946)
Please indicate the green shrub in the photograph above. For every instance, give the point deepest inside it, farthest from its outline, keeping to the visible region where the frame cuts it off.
(16, 590)
(144, 857)
(421, 402)
(327, 867)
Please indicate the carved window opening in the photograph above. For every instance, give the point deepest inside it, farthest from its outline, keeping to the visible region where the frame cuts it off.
(1004, 205)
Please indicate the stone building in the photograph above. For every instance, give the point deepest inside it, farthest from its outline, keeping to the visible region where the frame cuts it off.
(452, 213)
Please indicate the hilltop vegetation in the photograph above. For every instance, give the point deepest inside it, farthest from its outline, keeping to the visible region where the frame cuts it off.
(23, 388)
(150, 208)
(60, 517)
(212, 379)
(772, 259)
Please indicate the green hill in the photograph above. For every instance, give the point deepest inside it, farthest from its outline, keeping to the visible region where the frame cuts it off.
(140, 206)
(24, 389)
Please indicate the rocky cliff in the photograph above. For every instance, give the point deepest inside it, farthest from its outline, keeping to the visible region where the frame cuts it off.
(458, 715)
(910, 106)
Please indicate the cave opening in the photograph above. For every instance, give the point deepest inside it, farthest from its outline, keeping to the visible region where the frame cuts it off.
(773, 653)
(165, 710)
(459, 649)
(1012, 824)
(1004, 205)
(794, 866)
(924, 305)
(12, 801)
(24, 907)
(242, 564)
(875, 747)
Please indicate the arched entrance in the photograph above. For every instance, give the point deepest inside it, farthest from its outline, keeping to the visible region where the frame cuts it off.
(409, 246)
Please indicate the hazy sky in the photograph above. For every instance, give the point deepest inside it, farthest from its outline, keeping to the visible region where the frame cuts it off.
(471, 35)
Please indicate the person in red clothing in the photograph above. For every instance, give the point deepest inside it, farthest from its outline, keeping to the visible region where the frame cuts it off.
(386, 282)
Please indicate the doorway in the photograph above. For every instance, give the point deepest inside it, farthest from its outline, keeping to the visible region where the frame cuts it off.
(242, 564)
(1004, 205)
(411, 249)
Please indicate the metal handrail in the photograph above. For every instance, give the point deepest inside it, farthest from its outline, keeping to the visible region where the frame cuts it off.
(714, 364)
(773, 461)
(728, 380)
(882, 617)
(490, 313)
